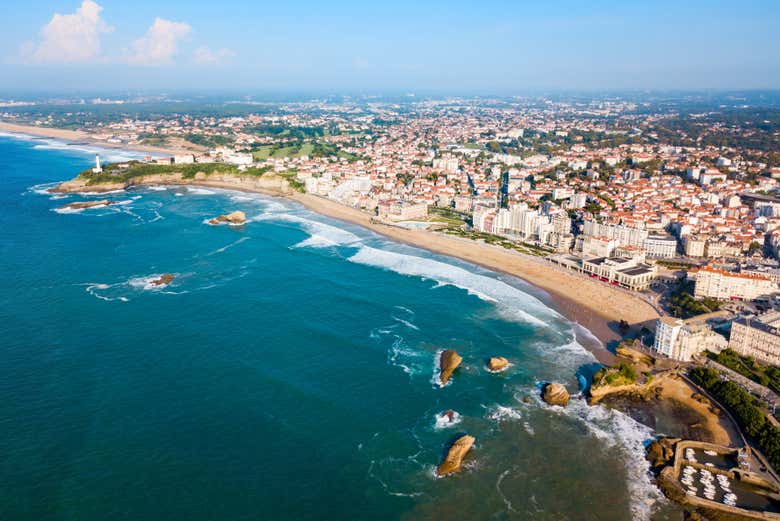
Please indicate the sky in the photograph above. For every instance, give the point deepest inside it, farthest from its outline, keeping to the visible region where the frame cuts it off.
(487, 46)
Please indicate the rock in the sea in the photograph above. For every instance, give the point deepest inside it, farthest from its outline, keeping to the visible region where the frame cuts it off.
(448, 362)
(555, 394)
(497, 363)
(163, 280)
(455, 455)
(237, 217)
(661, 451)
(81, 205)
(450, 415)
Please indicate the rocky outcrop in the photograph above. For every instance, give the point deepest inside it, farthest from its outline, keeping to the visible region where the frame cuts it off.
(555, 394)
(163, 280)
(234, 218)
(661, 451)
(497, 363)
(455, 455)
(269, 183)
(448, 362)
(82, 205)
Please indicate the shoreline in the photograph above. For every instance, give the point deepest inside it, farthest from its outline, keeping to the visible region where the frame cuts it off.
(80, 136)
(591, 304)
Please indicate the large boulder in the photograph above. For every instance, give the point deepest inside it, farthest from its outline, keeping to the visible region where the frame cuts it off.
(497, 363)
(235, 218)
(555, 394)
(82, 205)
(661, 451)
(163, 280)
(455, 455)
(448, 362)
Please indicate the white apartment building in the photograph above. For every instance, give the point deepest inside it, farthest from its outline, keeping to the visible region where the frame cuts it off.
(683, 339)
(402, 211)
(660, 246)
(758, 337)
(625, 235)
(693, 246)
(723, 285)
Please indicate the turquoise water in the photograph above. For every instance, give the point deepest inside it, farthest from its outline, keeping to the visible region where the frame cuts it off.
(288, 372)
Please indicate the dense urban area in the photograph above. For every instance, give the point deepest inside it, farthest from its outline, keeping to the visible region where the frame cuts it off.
(674, 199)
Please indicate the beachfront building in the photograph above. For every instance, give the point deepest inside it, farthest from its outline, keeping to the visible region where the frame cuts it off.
(758, 337)
(396, 210)
(724, 285)
(660, 246)
(684, 339)
(624, 235)
(628, 273)
(597, 246)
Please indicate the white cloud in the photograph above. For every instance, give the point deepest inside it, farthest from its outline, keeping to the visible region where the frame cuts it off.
(206, 56)
(159, 44)
(70, 38)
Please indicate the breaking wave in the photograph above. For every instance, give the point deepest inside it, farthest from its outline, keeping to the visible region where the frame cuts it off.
(486, 288)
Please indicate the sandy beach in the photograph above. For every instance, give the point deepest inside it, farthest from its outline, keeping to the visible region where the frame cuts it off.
(592, 304)
(78, 136)
(596, 306)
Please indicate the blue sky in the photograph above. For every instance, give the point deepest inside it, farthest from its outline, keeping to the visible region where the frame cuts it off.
(487, 46)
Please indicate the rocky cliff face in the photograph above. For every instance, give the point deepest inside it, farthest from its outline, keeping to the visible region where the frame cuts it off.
(448, 362)
(455, 455)
(661, 451)
(555, 394)
(268, 183)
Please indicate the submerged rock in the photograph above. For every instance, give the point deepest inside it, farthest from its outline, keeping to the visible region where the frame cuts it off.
(555, 394)
(455, 455)
(497, 363)
(448, 362)
(237, 217)
(81, 205)
(163, 280)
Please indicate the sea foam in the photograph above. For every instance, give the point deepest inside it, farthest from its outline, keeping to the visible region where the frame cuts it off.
(486, 288)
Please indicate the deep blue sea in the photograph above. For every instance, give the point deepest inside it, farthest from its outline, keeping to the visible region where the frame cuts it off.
(287, 373)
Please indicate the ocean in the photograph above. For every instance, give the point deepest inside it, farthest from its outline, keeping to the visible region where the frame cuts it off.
(287, 373)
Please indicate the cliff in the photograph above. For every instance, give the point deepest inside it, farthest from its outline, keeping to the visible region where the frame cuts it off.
(268, 183)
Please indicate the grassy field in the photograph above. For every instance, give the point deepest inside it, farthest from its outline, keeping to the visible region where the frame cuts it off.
(281, 151)
(112, 173)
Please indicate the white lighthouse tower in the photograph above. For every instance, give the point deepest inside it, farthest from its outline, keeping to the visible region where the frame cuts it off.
(97, 168)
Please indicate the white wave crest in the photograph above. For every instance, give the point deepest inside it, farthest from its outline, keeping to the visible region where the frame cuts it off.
(484, 287)
(501, 413)
(443, 420)
(406, 323)
(199, 191)
(321, 235)
(228, 246)
(619, 431)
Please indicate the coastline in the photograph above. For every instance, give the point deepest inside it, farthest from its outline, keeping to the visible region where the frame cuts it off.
(591, 304)
(84, 137)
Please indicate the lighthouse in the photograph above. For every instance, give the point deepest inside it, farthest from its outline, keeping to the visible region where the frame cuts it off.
(97, 168)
